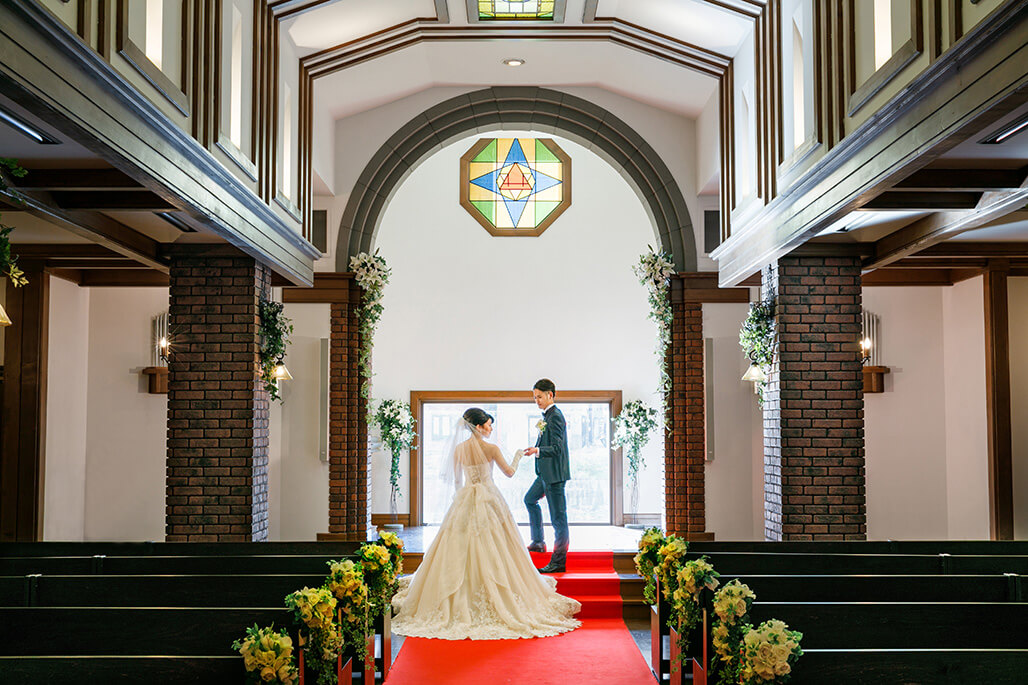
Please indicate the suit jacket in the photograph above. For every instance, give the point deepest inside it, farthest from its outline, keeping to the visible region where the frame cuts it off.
(551, 464)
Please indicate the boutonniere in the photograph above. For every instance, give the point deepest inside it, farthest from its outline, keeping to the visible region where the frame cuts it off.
(541, 425)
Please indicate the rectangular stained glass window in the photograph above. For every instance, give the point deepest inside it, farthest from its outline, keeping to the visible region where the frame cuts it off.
(508, 10)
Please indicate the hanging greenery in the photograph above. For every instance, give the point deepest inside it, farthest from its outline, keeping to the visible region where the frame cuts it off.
(757, 337)
(275, 330)
(9, 262)
(396, 424)
(372, 275)
(632, 428)
(655, 270)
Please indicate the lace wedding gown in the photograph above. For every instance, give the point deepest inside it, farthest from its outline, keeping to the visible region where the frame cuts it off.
(477, 580)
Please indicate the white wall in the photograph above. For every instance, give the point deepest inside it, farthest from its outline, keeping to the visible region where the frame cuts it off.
(126, 432)
(905, 450)
(708, 147)
(1017, 290)
(468, 311)
(358, 137)
(735, 476)
(64, 489)
(298, 487)
(967, 453)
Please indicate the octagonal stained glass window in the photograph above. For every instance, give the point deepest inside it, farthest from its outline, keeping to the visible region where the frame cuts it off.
(515, 186)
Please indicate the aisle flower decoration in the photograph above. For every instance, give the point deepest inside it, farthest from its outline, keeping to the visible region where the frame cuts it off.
(396, 425)
(671, 554)
(694, 577)
(769, 652)
(731, 606)
(393, 543)
(315, 609)
(654, 271)
(632, 428)
(346, 583)
(647, 560)
(267, 656)
(372, 275)
(379, 575)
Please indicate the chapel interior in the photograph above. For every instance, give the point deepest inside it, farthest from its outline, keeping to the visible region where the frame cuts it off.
(183, 181)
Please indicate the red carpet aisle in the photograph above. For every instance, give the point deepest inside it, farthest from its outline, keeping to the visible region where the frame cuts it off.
(601, 652)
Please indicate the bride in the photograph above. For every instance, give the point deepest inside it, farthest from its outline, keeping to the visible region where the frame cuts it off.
(476, 579)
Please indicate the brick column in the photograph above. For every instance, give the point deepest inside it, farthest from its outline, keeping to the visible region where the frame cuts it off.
(217, 475)
(349, 510)
(684, 446)
(814, 404)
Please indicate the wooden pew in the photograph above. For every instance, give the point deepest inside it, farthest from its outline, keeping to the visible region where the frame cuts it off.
(155, 565)
(955, 547)
(113, 670)
(923, 667)
(138, 549)
(768, 563)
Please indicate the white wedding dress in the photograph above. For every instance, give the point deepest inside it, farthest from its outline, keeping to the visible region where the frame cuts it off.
(477, 579)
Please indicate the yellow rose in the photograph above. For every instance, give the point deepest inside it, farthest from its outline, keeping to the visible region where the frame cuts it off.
(268, 674)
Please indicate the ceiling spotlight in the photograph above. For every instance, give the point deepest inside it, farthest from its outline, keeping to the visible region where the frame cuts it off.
(1011, 129)
(514, 62)
(25, 129)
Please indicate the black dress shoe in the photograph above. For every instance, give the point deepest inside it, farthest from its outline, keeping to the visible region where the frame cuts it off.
(552, 568)
(537, 547)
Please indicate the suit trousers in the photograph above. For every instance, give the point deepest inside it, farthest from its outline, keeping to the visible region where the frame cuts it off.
(558, 506)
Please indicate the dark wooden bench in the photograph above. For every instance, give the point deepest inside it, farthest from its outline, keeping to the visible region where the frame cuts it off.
(923, 667)
(922, 625)
(154, 565)
(770, 563)
(90, 670)
(139, 549)
(956, 547)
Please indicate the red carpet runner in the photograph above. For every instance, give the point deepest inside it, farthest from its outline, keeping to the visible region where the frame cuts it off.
(601, 652)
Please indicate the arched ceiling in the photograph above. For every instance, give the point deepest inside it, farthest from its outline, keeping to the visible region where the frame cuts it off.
(665, 53)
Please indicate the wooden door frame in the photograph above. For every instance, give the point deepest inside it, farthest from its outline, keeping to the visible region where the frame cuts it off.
(419, 398)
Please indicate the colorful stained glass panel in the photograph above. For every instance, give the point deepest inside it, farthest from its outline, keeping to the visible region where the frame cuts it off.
(515, 186)
(507, 10)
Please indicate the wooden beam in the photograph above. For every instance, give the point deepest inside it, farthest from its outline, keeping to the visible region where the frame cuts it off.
(997, 403)
(123, 278)
(979, 180)
(703, 287)
(74, 263)
(974, 249)
(23, 426)
(63, 250)
(77, 179)
(926, 201)
(906, 277)
(938, 263)
(113, 201)
(328, 287)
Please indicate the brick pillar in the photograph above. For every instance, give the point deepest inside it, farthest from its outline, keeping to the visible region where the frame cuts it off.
(814, 404)
(349, 471)
(684, 446)
(217, 476)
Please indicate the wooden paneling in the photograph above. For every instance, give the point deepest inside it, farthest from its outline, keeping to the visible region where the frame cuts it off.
(859, 93)
(997, 403)
(23, 426)
(178, 94)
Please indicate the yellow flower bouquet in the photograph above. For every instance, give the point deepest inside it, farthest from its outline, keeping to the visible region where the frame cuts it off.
(671, 554)
(346, 583)
(769, 652)
(267, 656)
(379, 575)
(693, 577)
(393, 543)
(315, 609)
(731, 606)
(647, 560)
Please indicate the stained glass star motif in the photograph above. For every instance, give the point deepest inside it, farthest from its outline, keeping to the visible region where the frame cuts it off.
(515, 186)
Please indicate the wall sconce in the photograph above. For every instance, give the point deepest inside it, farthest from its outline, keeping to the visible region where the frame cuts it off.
(755, 374)
(159, 351)
(282, 373)
(874, 373)
(4, 319)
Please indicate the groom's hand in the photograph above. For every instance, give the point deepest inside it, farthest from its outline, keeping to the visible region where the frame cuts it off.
(531, 451)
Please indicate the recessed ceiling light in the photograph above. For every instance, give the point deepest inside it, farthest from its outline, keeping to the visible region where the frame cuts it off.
(23, 128)
(514, 62)
(1008, 131)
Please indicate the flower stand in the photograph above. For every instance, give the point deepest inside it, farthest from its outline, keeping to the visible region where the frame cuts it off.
(659, 662)
(383, 636)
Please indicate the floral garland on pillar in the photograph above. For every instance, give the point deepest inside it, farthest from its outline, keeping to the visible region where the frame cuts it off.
(9, 262)
(372, 276)
(655, 270)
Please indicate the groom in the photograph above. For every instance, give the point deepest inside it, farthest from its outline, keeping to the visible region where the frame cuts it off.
(552, 472)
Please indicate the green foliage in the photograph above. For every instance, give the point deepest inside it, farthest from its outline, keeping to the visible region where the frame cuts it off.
(757, 336)
(275, 330)
(632, 428)
(654, 271)
(396, 425)
(372, 275)
(9, 262)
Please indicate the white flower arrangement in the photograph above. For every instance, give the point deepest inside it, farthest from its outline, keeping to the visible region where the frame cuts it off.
(632, 428)
(655, 270)
(372, 275)
(397, 426)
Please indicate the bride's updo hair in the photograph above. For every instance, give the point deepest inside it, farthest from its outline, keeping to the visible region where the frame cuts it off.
(477, 417)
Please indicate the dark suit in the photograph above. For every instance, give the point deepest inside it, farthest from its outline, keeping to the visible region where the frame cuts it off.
(552, 470)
